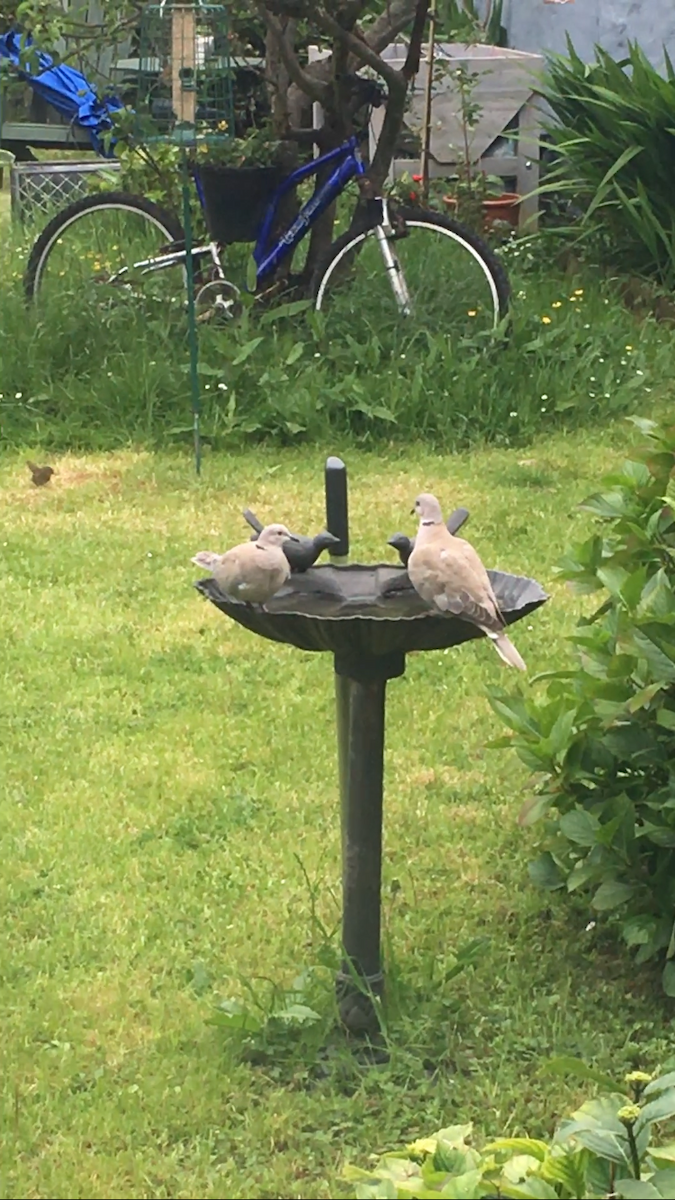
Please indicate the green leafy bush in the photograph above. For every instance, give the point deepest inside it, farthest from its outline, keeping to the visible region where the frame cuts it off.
(154, 172)
(615, 134)
(602, 738)
(604, 1149)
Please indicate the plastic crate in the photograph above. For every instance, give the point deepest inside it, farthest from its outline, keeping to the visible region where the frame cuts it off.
(38, 189)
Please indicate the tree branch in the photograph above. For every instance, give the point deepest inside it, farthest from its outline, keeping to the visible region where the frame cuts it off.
(313, 88)
(391, 127)
(396, 16)
(361, 50)
(309, 137)
(412, 60)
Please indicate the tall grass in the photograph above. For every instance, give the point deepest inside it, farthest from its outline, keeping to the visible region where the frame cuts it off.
(73, 378)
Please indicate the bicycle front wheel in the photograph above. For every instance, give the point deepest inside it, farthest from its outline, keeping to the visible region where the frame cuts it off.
(107, 249)
(431, 278)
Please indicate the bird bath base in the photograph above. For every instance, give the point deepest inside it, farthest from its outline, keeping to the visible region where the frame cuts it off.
(369, 618)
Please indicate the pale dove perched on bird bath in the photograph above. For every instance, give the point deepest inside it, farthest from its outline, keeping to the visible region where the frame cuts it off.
(404, 545)
(301, 552)
(447, 572)
(254, 571)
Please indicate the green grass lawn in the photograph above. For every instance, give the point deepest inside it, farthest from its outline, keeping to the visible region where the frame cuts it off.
(170, 835)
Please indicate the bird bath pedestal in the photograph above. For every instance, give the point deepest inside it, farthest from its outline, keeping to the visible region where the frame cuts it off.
(369, 618)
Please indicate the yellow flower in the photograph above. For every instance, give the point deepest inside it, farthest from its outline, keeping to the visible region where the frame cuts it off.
(222, 125)
(422, 1147)
(546, 320)
(578, 291)
(629, 347)
(573, 297)
(557, 304)
(472, 312)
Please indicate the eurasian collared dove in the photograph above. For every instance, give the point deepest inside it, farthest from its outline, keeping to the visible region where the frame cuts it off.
(254, 571)
(405, 545)
(40, 475)
(447, 572)
(302, 552)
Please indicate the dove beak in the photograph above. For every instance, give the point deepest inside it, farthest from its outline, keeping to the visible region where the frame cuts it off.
(412, 512)
(292, 538)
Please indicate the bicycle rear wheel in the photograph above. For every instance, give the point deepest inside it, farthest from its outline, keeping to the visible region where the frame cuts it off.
(456, 287)
(103, 250)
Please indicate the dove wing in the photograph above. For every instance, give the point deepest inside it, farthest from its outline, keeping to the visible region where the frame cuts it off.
(454, 582)
(251, 573)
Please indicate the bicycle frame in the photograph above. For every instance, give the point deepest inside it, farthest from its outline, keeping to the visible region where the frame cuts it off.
(348, 166)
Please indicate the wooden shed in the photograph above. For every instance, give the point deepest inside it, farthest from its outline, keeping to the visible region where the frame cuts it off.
(505, 138)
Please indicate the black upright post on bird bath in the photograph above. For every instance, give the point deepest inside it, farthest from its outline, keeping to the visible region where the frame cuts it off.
(360, 706)
(337, 523)
(337, 507)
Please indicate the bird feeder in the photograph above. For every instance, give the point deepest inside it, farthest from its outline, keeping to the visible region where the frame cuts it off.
(184, 81)
(368, 618)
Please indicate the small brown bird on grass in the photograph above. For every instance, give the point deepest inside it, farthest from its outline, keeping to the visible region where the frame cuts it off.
(40, 475)
(447, 572)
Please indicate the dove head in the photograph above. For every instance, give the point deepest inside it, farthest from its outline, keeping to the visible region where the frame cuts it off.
(206, 559)
(428, 509)
(275, 535)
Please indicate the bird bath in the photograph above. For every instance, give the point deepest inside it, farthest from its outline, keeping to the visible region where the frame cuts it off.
(369, 618)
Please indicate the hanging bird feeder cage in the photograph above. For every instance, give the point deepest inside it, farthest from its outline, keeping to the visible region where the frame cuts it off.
(184, 84)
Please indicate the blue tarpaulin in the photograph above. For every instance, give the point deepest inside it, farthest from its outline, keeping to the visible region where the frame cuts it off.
(67, 90)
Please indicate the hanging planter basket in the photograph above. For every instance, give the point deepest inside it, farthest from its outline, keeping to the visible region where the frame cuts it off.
(235, 199)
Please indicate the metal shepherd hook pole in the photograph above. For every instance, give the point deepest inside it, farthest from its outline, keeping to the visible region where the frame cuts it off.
(192, 318)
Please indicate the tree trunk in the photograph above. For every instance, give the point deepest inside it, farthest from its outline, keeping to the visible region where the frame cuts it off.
(293, 86)
(276, 74)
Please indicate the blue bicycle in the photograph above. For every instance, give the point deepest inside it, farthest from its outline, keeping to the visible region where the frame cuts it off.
(395, 268)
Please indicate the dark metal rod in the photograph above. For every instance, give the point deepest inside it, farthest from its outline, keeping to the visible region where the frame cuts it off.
(252, 520)
(342, 689)
(337, 513)
(192, 319)
(362, 828)
(456, 520)
(337, 516)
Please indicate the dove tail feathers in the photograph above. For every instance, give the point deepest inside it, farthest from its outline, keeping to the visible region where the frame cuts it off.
(507, 651)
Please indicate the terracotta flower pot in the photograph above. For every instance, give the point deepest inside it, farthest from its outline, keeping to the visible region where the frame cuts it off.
(502, 208)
